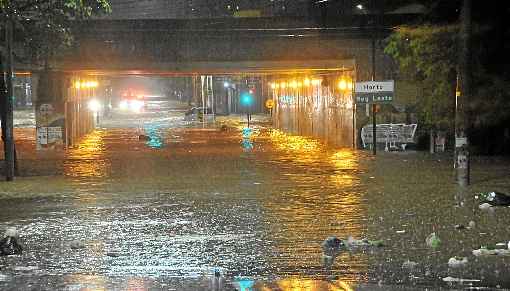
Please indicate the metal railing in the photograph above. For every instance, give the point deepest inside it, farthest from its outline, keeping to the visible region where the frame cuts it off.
(393, 135)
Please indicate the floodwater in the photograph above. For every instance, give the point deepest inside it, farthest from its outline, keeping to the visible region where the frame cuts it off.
(119, 213)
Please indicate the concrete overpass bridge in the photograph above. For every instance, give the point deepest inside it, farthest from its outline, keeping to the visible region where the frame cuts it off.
(299, 63)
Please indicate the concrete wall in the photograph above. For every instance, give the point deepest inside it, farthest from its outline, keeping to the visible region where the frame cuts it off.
(316, 110)
(184, 47)
(62, 116)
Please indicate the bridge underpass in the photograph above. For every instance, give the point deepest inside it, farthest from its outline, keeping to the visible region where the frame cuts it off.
(308, 97)
(274, 53)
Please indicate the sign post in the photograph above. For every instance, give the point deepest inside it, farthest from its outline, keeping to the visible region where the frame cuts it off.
(374, 92)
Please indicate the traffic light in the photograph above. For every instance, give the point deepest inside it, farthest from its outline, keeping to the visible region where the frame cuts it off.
(247, 98)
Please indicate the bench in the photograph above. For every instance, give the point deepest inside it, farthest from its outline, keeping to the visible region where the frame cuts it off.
(393, 135)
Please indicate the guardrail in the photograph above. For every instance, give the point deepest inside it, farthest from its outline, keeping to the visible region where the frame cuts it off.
(393, 135)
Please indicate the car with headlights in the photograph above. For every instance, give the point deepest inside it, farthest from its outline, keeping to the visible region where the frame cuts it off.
(131, 101)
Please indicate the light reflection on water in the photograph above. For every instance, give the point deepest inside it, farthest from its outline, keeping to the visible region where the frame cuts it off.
(88, 158)
(154, 216)
(323, 198)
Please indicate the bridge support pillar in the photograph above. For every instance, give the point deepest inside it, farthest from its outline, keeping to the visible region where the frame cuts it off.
(62, 117)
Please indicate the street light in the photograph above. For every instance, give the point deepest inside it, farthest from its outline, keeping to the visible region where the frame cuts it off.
(94, 105)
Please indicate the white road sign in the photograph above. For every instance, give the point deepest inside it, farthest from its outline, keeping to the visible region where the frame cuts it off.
(375, 86)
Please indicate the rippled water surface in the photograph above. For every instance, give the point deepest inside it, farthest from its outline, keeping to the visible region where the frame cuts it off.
(116, 212)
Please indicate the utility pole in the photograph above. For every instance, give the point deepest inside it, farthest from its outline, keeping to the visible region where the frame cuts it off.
(374, 106)
(463, 93)
(7, 122)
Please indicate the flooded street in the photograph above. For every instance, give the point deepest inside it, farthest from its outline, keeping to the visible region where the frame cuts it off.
(122, 213)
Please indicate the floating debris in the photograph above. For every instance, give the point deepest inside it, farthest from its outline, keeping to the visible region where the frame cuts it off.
(77, 244)
(484, 252)
(432, 240)
(409, 265)
(26, 269)
(351, 242)
(9, 243)
(457, 262)
(460, 280)
(332, 243)
(485, 206)
(495, 198)
(459, 227)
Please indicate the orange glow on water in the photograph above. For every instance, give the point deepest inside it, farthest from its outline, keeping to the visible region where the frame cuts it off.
(298, 284)
(88, 159)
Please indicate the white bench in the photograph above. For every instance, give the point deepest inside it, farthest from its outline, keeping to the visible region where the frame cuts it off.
(393, 135)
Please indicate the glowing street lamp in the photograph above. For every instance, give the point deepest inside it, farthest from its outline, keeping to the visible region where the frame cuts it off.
(94, 105)
(342, 84)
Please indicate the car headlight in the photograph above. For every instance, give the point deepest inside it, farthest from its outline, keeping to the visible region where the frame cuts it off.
(123, 104)
(136, 105)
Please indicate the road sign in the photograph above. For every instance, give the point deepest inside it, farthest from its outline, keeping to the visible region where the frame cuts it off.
(374, 92)
(269, 103)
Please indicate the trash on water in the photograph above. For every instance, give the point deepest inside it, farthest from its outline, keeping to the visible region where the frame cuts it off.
(456, 262)
(26, 269)
(351, 242)
(460, 226)
(485, 206)
(484, 251)
(409, 265)
(432, 240)
(332, 244)
(113, 254)
(460, 280)
(327, 261)
(9, 243)
(495, 198)
(401, 231)
(77, 244)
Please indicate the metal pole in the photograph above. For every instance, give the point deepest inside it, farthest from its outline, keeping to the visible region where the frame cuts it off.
(248, 116)
(374, 132)
(463, 92)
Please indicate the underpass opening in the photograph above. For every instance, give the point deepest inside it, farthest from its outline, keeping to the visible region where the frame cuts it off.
(308, 98)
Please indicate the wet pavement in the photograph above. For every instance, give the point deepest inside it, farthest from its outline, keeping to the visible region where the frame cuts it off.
(120, 213)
